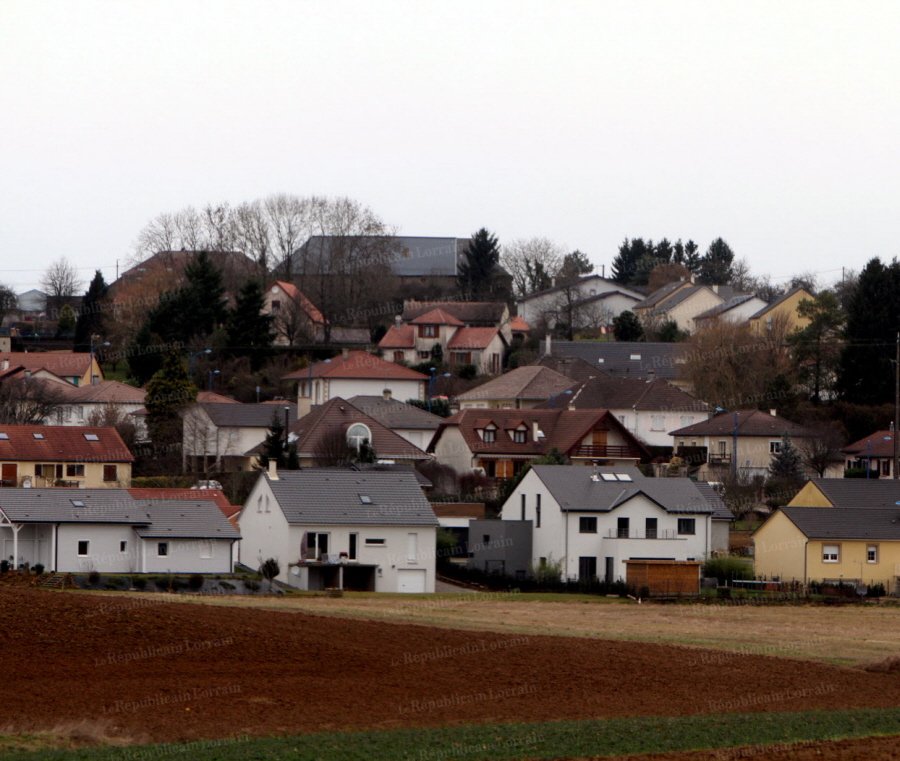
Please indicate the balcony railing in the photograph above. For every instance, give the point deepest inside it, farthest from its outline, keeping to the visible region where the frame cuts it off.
(606, 450)
(719, 459)
(626, 534)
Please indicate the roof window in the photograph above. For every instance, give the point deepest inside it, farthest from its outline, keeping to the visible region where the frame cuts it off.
(4, 437)
(365, 499)
(38, 435)
(91, 437)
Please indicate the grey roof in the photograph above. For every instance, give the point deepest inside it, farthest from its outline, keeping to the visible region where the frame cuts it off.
(186, 519)
(726, 306)
(409, 256)
(71, 506)
(683, 295)
(783, 297)
(393, 413)
(574, 488)
(662, 360)
(722, 513)
(660, 294)
(248, 415)
(619, 288)
(859, 492)
(845, 523)
(334, 496)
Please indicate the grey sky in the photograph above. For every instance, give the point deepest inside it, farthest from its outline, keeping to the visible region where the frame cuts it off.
(775, 125)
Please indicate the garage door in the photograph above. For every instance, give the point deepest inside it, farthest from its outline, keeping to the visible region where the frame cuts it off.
(411, 580)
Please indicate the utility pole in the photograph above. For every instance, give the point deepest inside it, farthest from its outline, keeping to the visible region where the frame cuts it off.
(896, 405)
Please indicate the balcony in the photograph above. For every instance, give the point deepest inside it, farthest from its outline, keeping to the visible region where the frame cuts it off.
(719, 459)
(658, 534)
(606, 451)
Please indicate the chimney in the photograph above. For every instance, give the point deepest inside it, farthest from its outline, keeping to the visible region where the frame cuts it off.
(547, 346)
(304, 406)
(5, 365)
(386, 394)
(273, 470)
(535, 429)
(715, 288)
(398, 320)
(345, 353)
(773, 413)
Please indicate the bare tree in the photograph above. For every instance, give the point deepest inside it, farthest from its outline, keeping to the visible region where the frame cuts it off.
(29, 401)
(288, 221)
(8, 301)
(333, 450)
(293, 323)
(252, 234)
(61, 282)
(532, 262)
(114, 416)
(822, 448)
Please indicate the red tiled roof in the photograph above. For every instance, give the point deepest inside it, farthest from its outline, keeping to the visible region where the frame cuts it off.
(358, 364)
(61, 443)
(472, 338)
(878, 444)
(295, 294)
(518, 325)
(62, 363)
(104, 392)
(399, 337)
(437, 317)
(211, 397)
(215, 495)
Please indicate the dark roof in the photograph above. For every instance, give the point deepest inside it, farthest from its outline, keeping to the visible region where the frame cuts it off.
(529, 382)
(624, 290)
(248, 415)
(579, 489)
(186, 519)
(783, 297)
(846, 523)
(313, 431)
(720, 509)
(634, 359)
(62, 443)
(725, 306)
(661, 294)
(859, 492)
(749, 423)
(407, 256)
(878, 444)
(572, 367)
(333, 496)
(609, 392)
(393, 413)
(476, 314)
(683, 295)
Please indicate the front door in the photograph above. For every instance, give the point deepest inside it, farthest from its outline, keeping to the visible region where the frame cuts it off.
(587, 568)
(609, 571)
(10, 474)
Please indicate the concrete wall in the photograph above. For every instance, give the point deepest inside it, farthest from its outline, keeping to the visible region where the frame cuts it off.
(452, 450)
(502, 546)
(264, 530)
(187, 556)
(350, 387)
(104, 553)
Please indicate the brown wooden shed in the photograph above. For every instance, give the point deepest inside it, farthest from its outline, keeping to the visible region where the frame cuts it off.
(664, 578)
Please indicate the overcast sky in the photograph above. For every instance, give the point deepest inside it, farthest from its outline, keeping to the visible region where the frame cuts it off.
(775, 125)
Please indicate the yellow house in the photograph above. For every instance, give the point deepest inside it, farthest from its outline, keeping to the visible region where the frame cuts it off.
(783, 309)
(839, 544)
(78, 456)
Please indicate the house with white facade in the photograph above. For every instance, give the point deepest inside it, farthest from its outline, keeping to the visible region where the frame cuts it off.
(414, 424)
(606, 298)
(738, 309)
(354, 373)
(110, 531)
(344, 529)
(593, 520)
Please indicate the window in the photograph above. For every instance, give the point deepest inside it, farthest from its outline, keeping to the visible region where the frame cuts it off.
(537, 512)
(622, 526)
(4, 437)
(354, 544)
(774, 447)
(428, 331)
(650, 528)
(74, 471)
(316, 545)
(489, 435)
(831, 553)
(83, 547)
(523, 507)
(412, 548)
(657, 422)
(276, 305)
(587, 568)
(424, 355)
(885, 467)
(357, 434)
(123, 546)
(687, 420)
(375, 542)
(110, 473)
(587, 525)
(38, 436)
(398, 356)
(77, 502)
(48, 470)
(259, 504)
(365, 499)
(542, 562)
(687, 526)
(872, 553)
(162, 549)
(518, 436)
(91, 437)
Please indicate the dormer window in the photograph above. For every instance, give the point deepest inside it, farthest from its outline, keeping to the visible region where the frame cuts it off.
(520, 435)
(357, 434)
(429, 331)
(489, 435)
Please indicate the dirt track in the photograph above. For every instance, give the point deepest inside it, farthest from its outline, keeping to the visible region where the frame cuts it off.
(154, 672)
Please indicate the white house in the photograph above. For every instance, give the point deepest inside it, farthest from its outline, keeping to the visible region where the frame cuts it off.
(414, 424)
(339, 528)
(354, 373)
(593, 520)
(592, 292)
(109, 531)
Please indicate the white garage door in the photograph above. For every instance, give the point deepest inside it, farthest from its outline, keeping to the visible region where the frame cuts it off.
(411, 580)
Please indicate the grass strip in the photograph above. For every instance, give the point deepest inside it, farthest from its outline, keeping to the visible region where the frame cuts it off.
(513, 742)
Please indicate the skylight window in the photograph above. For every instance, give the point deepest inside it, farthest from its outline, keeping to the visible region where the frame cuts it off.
(635, 356)
(77, 503)
(365, 499)
(91, 437)
(38, 435)
(623, 476)
(4, 437)
(608, 476)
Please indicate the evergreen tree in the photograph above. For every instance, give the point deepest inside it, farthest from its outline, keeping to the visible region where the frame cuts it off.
(692, 257)
(816, 349)
(574, 265)
(787, 464)
(273, 449)
(479, 264)
(203, 295)
(715, 267)
(627, 327)
(625, 264)
(248, 330)
(866, 373)
(65, 326)
(91, 320)
(670, 333)
(169, 391)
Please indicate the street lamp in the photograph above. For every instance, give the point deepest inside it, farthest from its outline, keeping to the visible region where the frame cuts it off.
(432, 371)
(209, 378)
(94, 337)
(191, 355)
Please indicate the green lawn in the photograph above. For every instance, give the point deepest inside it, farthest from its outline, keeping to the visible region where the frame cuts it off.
(510, 742)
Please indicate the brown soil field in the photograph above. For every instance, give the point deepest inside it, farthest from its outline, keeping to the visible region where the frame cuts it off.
(147, 671)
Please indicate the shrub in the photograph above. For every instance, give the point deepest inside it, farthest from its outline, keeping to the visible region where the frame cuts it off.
(195, 582)
(162, 583)
(139, 582)
(727, 568)
(269, 570)
(94, 578)
(175, 584)
(226, 585)
(38, 568)
(875, 590)
(4, 566)
(467, 372)
(252, 585)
